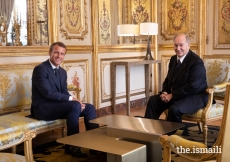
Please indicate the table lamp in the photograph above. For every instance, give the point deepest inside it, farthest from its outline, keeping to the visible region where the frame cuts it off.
(148, 28)
(128, 30)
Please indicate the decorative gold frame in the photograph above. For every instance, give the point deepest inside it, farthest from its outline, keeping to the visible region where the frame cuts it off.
(186, 20)
(84, 65)
(79, 27)
(221, 26)
(40, 15)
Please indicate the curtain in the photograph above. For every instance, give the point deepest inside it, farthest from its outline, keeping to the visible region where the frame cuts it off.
(6, 7)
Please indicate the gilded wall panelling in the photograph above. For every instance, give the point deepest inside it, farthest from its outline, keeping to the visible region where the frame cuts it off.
(78, 76)
(221, 24)
(40, 22)
(177, 17)
(15, 82)
(139, 11)
(73, 19)
(165, 64)
(105, 22)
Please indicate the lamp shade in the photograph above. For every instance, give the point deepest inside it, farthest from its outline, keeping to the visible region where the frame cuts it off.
(148, 28)
(128, 30)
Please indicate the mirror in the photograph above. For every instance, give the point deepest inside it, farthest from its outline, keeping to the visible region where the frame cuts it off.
(13, 20)
(23, 23)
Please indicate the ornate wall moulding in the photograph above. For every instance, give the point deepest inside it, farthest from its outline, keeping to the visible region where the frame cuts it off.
(139, 11)
(221, 24)
(78, 76)
(104, 22)
(177, 17)
(73, 19)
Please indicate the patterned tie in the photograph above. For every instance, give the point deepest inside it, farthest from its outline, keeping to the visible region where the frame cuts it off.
(56, 70)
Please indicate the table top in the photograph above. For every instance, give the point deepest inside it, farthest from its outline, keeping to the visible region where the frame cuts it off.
(135, 62)
(97, 139)
(137, 124)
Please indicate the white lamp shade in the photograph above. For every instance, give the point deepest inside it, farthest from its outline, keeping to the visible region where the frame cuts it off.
(128, 30)
(148, 28)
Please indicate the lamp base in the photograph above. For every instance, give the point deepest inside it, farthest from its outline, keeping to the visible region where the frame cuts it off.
(148, 56)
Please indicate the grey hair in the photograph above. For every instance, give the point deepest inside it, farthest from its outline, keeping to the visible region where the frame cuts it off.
(186, 37)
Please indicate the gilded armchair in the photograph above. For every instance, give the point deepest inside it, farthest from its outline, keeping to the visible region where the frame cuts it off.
(221, 146)
(211, 112)
(13, 139)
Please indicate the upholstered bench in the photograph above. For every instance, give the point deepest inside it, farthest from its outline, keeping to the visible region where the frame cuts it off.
(12, 123)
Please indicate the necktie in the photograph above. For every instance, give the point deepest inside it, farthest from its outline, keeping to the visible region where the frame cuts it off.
(178, 64)
(56, 70)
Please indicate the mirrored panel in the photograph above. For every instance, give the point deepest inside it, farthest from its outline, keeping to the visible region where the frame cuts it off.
(13, 21)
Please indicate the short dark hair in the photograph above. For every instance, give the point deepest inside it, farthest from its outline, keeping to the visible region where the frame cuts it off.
(57, 43)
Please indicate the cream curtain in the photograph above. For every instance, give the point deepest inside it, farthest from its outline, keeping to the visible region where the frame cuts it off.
(6, 7)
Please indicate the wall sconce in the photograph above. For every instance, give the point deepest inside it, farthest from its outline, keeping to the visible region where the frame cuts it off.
(148, 28)
(128, 30)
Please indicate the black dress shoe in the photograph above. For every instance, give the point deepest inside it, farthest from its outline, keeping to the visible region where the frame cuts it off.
(75, 151)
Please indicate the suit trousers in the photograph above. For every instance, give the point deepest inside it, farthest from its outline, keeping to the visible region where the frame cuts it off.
(71, 111)
(155, 107)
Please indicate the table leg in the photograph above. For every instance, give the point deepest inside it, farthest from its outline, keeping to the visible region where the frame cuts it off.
(147, 82)
(113, 87)
(127, 73)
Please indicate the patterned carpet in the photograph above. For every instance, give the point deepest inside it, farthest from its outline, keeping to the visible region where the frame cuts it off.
(54, 152)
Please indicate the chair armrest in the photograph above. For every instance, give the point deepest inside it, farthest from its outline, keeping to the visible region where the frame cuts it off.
(182, 147)
(71, 88)
(220, 87)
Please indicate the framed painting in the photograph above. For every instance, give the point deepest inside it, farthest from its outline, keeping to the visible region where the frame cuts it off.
(221, 24)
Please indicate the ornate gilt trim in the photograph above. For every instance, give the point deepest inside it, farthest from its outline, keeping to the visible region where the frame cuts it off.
(85, 69)
(40, 14)
(82, 31)
(185, 23)
(221, 27)
(52, 21)
(94, 18)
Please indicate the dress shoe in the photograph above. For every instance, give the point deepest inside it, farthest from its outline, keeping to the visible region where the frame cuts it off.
(75, 151)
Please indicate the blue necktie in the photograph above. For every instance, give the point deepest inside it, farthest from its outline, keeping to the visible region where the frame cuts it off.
(56, 70)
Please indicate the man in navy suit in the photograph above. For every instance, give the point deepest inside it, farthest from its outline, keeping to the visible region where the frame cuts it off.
(51, 100)
(184, 86)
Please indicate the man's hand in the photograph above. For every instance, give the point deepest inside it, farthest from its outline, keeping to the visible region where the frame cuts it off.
(165, 97)
(82, 104)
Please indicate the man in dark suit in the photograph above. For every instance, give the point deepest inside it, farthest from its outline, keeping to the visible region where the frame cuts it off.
(51, 100)
(184, 86)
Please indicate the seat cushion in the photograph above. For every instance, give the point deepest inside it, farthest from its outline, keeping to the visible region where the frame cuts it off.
(215, 111)
(18, 122)
(4, 157)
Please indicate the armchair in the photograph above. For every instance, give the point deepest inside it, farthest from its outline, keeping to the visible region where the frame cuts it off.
(211, 112)
(10, 140)
(172, 143)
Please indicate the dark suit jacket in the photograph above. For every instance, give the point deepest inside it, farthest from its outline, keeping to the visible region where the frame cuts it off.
(188, 83)
(45, 89)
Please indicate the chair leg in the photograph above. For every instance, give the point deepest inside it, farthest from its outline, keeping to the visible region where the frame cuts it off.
(205, 132)
(200, 126)
(14, 149)
(63, 131)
